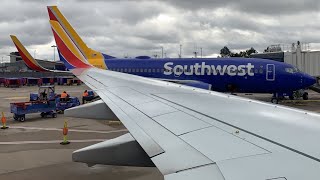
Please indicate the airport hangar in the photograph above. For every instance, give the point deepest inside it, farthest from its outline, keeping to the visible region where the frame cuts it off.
(297, 54)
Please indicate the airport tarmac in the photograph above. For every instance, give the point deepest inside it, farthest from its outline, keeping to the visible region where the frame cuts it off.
(312, 104)
(31, 150)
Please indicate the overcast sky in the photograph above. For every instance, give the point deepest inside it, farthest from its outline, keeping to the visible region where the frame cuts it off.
(139, 27)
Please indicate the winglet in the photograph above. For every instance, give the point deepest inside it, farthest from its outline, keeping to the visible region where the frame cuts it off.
(26, 57)
(67, 48)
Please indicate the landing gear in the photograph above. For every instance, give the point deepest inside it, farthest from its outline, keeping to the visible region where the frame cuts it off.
(291, 97)
(300, 93)
(274, 100)
(305, 96)
(276, 97)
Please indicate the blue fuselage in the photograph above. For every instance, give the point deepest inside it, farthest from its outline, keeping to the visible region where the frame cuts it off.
(224, 74)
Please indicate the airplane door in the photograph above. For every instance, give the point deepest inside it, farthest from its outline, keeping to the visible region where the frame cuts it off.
(271, 72)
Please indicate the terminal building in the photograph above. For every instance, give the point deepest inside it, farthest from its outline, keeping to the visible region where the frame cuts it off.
(17, 68)
(16, 64)
(298, 55)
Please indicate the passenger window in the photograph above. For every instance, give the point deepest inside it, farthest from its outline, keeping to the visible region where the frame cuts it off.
(145, 70)
(125, 70)
(256, 71)
(121, 70)
(149, 70)
(133, 70)
(129, 70)
(261, 71)
(153, 70)
(141, 70)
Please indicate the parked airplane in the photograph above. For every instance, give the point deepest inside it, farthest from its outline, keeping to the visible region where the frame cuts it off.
(191, 133)
(28, 59)
(222, 74)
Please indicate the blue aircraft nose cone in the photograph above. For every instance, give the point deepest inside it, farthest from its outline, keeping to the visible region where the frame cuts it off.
(309, 80)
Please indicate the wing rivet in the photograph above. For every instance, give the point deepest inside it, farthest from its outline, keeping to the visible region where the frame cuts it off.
(237, 131)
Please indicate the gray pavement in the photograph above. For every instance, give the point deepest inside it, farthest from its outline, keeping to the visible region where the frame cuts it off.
(31, 150)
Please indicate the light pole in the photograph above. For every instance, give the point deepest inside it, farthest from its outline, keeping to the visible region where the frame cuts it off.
(162, 52)
(54, 52)
(180, 55)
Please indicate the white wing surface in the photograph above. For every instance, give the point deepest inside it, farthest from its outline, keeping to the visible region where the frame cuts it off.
(191, 133)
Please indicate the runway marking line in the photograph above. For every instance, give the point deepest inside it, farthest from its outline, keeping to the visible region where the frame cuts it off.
(13, 98)
(49, 142)
(72, 130)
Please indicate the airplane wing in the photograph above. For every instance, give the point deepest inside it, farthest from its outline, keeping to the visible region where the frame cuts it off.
(189, 133)
(28, 59)
(192, 83)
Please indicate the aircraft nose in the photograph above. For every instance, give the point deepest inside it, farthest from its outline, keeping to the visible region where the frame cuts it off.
(309, 80)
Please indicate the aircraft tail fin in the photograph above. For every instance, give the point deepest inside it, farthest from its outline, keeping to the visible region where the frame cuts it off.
(68, 50)
(26, 56)
(94, 57)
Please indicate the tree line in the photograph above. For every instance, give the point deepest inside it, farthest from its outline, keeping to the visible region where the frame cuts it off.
(225, 52)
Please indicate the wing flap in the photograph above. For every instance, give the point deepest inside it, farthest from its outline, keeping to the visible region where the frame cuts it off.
(222, 146)
(208, 172)
(271, 166)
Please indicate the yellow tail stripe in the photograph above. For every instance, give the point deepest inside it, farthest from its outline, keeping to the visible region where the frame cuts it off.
(23, 49)
(69, 28)
(68, 42)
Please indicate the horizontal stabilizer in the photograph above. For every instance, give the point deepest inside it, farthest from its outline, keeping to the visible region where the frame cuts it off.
(121, 151)
(94, 110)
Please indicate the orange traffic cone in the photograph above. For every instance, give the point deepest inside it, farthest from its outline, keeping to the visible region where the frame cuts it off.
(65, 133)
(4, 121)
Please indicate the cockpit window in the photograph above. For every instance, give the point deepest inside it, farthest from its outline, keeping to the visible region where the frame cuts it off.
(292, 70)
(295, 69)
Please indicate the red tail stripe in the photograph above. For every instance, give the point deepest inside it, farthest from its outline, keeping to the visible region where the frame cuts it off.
(69, 56)
(51, 15)
(28, 62)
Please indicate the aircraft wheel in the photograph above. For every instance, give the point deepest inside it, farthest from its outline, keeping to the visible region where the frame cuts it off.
(22, 119)
(305, 96)
(274, 100)
(54, 115)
